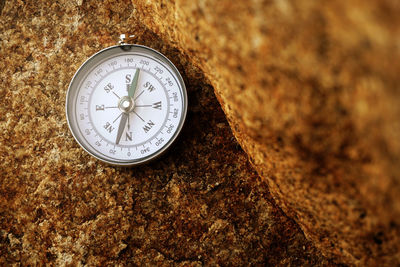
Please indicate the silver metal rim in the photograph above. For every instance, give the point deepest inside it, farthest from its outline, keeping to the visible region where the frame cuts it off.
(125, 47)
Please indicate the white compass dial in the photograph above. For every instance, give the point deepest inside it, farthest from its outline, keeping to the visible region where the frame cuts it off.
(126, 104)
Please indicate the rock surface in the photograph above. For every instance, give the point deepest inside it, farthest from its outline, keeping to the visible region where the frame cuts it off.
(312, 92)
(201, 204)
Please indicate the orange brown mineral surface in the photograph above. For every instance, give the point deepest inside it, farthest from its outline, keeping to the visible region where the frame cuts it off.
(309, 89)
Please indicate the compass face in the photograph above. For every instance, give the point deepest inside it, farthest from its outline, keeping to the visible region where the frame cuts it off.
(126, 104)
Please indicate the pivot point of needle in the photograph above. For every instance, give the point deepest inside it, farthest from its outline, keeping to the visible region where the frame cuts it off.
(126, 104)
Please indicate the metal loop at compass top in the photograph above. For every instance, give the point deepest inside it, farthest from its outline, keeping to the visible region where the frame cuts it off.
(123, 39)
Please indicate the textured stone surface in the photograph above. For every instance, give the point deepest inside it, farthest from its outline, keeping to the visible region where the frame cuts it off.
(312, 92)
(202, 203)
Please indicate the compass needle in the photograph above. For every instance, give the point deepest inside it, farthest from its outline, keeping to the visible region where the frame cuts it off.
(132, 88)
(121, 127)
(126, 104)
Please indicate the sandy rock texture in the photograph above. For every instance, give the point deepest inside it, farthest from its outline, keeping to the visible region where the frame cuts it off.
(201, 204)
(311, 90)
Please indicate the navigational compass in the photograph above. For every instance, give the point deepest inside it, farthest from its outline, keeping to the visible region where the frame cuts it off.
(126, 104)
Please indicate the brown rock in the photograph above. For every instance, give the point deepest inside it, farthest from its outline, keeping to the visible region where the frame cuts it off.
(312, 91)
(201, 204)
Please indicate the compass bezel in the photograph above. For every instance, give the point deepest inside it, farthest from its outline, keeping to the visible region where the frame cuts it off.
(90, 63)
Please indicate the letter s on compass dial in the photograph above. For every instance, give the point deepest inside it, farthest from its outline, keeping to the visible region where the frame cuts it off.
(126, 104)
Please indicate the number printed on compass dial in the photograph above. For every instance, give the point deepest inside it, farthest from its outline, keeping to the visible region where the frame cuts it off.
(126, 105)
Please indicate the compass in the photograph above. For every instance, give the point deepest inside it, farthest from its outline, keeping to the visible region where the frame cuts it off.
(126, 104)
